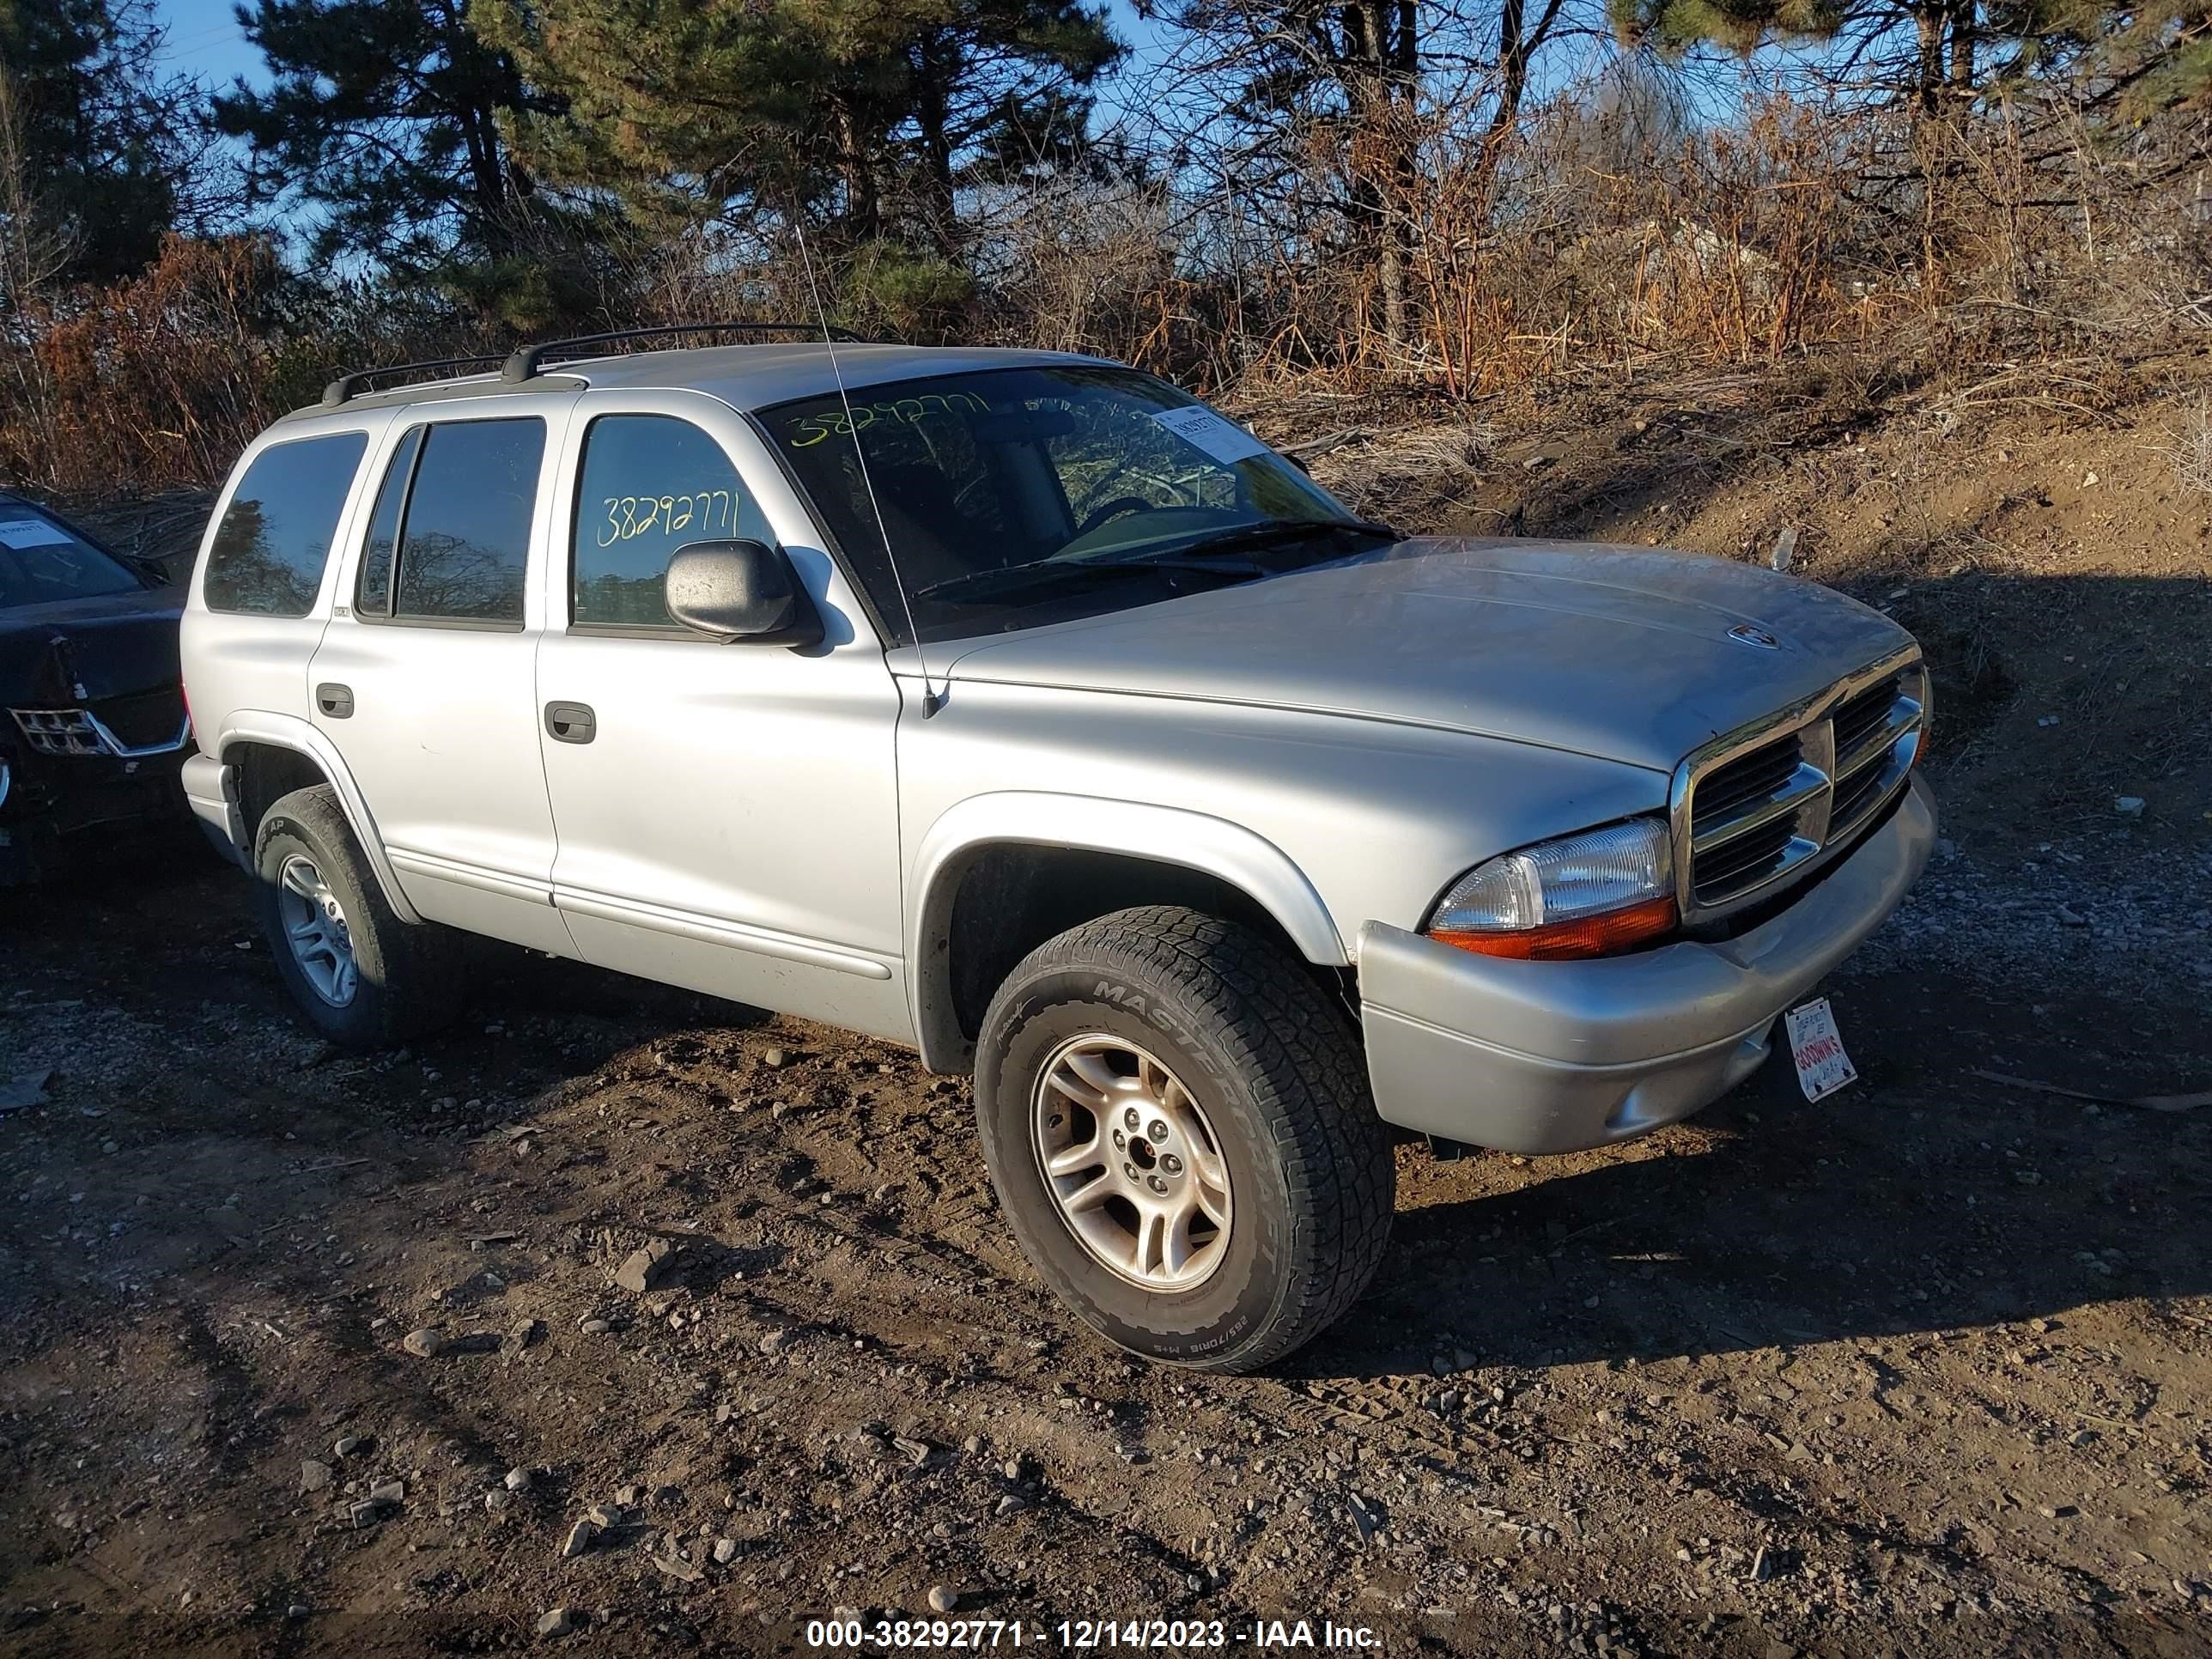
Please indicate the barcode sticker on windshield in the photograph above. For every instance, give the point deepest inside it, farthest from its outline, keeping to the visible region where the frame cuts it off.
(1817, 1048)
(31, 533)
(1222, 439)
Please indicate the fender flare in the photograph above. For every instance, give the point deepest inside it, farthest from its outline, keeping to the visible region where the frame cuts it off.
(1165, 835)
(291, 731)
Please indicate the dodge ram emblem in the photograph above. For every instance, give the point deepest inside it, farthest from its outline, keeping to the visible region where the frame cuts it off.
(1745, 633)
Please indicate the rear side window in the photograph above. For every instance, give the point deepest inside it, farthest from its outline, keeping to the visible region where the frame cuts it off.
(650, 484)
(269, 551)
(449, 540)
(373, 586)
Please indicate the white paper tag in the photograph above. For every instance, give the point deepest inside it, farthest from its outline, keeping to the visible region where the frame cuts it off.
(33, 533)
(1222, 439)
(1817, 1049)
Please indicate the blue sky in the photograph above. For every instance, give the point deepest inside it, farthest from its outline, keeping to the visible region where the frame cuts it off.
(204, 40)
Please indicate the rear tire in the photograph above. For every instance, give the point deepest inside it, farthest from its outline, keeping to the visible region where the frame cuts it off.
(1250, 1202)
(364, 978)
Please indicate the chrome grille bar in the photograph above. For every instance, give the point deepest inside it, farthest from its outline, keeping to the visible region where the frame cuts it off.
(1805, 781)
(1783, 798)
(81, 732)
(1905, 716)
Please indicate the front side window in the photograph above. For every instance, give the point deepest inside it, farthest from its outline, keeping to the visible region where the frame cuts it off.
(449, 540)
(1019, 496)
(269, 551)
(649, 484)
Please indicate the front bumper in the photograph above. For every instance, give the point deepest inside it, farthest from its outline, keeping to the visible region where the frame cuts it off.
(1556, 1056)
(47, 803)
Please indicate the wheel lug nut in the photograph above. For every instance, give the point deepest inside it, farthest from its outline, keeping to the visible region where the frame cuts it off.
(1120, 1141)
(1130, 1171)
(1158, 1132)
(1172, 1165)
(1131, 1121)
(1157, 1184)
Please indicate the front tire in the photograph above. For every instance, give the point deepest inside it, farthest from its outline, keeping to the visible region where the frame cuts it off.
(1178, 1125)
(364, 978)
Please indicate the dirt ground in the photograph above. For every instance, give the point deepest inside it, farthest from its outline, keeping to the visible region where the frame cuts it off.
(1924, 1368)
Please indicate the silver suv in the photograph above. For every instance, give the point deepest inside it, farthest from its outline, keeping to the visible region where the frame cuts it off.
(1019, 708)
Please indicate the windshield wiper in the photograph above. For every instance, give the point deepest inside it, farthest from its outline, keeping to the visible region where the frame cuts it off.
(1209, 555)
(978, 585)
(1266, 534)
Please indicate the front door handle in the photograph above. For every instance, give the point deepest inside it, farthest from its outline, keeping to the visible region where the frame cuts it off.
(570, 722)
(335, 699)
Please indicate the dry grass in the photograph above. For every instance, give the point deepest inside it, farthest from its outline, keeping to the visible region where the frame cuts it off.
(1581, 249)
(1390, 475)
(2190, 449)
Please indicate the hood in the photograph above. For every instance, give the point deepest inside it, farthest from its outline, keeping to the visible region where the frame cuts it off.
(56, 655)
(1615, 651)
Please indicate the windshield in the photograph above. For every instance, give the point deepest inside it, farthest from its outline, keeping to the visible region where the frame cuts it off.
(42, 562)
(1018, 496)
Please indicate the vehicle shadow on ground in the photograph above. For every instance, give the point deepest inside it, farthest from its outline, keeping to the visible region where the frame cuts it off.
(155, 903)
(1925, 1199)
(518, 983)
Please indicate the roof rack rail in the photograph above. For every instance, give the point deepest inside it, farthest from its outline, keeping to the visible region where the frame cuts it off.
(348, 385)
(527, 360)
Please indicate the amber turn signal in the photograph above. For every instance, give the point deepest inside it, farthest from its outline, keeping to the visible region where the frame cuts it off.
(1586, 936)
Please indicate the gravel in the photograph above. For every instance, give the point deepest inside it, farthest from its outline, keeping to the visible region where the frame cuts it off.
(1873, 1338)
(559, 1622)
(1998, 924)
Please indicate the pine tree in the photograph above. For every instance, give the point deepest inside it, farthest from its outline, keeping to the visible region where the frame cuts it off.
(1925, 51)
(2163, 54)
(1935, 53)
(384, 117)
(101, 142)
(872, 114)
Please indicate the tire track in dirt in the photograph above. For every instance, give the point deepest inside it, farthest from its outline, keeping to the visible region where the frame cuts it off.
(1571, 1376)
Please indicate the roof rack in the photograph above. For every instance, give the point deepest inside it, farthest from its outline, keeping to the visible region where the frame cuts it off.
(348, 385)
(527, 360)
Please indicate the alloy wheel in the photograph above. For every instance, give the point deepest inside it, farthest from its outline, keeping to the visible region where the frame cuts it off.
(1132, 1162)
(315, 928)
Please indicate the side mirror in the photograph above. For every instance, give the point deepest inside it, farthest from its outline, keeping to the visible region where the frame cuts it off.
(741, 591)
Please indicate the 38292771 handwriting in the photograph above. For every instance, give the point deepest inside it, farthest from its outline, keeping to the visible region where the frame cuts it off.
(628, 517)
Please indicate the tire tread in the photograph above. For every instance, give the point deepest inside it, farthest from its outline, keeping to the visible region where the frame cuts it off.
(423, 983)
(1306, 1076)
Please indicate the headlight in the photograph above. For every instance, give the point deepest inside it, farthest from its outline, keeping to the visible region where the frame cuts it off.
(1584, 896)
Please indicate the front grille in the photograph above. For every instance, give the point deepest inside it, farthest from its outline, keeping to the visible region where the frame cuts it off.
(83, 732)
(1746, 862)
(1854, 795)
(1756, 807)
(1752, 777)
(60, 731)
(1858, 718)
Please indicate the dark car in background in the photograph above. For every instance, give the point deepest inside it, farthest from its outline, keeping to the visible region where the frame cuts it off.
(94, 727)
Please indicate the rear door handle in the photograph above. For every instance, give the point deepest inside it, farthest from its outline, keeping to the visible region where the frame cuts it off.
(335, 699)
(570, 722)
